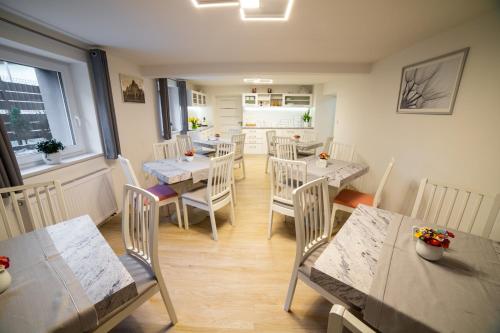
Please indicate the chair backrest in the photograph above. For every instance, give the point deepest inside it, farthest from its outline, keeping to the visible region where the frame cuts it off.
(128, 171)
(287, 151)
(28, 207)
(270, 142)
(230, 131)
(456, 208)
(286, 176)
(220, 176)
(239, 145)
(224, 148)
(140, 219)
(342, 151)
(311, 206)
(165, 150)
(327, 146)
(184, 143)
(381, 185)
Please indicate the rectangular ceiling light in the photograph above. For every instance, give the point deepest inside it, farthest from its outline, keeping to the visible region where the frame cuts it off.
(250, 4)
(258, 81)
(285, 16)
(215, 3)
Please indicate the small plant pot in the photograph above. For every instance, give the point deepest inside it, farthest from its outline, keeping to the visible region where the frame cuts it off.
(321, 163)
(5, 280)
(54, 158)
(307, 124)
(429, 252)
(189, 158)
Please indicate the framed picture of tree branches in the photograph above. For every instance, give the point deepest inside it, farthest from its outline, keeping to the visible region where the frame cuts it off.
(431, 86)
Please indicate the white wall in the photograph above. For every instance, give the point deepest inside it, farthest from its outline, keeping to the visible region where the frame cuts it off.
(461, 149)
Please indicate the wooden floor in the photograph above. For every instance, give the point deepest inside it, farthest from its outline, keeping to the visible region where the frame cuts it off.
(237, 284)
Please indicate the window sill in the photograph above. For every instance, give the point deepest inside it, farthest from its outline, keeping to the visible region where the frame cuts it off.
(66, 162)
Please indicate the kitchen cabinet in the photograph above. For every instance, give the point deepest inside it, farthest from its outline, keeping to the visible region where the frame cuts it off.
(255, 139)
(277, 100)
(196, 98)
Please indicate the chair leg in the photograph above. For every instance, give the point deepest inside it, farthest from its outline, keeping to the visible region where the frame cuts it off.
(168, 302)
(270, 230)
(243, 168)
(214, 226)
(186, 219)
(179, 218)
(233, 194)
(291, 289)
(267, 163)
(233, 220)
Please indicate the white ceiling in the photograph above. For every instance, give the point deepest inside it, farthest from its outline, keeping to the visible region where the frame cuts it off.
(156, 33)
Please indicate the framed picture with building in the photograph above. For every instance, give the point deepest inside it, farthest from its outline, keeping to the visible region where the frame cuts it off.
(132, 89)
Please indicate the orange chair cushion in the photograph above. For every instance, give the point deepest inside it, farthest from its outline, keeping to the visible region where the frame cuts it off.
(163, 192)
(352, 198)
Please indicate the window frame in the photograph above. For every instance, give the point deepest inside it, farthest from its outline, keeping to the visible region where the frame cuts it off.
(74, 118)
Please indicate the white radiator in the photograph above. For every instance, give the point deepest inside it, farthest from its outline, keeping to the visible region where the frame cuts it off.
(91, 194)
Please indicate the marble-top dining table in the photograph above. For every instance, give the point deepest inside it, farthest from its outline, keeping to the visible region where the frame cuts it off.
(65, 278)
(371, 265)
(339, 173)
(176, 170)
(210, 142)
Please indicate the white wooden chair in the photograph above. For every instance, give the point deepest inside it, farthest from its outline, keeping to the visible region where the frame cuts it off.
(347, 200)
(28, 207)
(140, 219)
(165, 193)
(340, 318)
(184, 143)
(308, 136)
(287, 151)
(224, 149)
(165, 150)
(456, 208)
(239, 151)
(286, 176)
(271, 152)
(341, 151)
(311, 206)
(216, 195)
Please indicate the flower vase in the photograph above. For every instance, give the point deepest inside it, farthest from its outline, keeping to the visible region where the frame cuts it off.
(429, 252)
(54, 158)
(321, 163)
(5, 279)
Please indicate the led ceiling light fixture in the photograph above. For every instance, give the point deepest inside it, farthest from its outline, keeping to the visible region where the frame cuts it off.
(285, 17)
(249, 4)
(215, 3)
(258, 81)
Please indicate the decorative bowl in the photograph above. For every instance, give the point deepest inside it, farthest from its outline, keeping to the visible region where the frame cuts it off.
(429, 252)
(321, 163)
(188, 158)
(5, 279)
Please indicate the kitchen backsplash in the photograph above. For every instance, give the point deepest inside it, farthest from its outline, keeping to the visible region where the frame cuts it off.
(260, 118)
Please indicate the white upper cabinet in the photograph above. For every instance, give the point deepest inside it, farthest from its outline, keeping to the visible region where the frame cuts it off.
(276, 100)
(196, 98)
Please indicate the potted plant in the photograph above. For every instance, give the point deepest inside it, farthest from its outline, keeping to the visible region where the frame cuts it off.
(51, 150)
(322, 162)
(432, 242)
(189, 155)
(306, 117)
(193, 122)
(5, 278)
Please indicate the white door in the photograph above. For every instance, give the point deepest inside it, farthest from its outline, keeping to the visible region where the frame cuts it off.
(228, 114)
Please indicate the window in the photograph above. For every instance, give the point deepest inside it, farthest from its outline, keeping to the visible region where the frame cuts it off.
(36, 104)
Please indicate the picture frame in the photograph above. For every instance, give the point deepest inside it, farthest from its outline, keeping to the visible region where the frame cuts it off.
(430, 87)
(132, 89)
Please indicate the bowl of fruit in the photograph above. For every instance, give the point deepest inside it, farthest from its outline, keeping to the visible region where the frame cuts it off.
(189, 156)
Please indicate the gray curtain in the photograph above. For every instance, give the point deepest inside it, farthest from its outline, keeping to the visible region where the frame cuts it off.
(166, 129)
(104, 104)
(10, 175)
(184, 105)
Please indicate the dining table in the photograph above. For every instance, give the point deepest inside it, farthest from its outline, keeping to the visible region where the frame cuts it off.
(339, 173)
(210, 142)
(175, 170)
(65, 278)
(371, 265)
